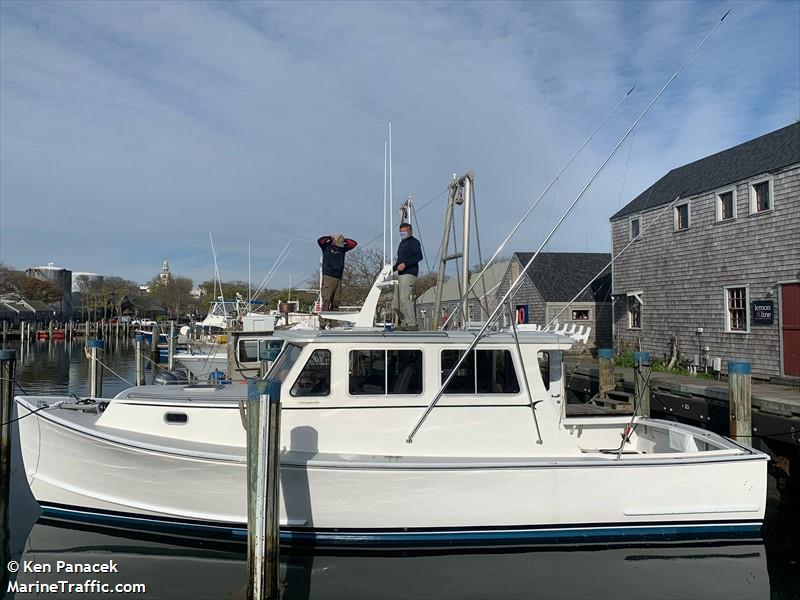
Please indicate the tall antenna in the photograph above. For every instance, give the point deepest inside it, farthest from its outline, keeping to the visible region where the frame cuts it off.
(385, 173)
(249, 289)
(391, 202)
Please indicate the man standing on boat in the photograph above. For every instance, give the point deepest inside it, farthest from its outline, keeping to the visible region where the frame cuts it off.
(409, 253)
(334, 247)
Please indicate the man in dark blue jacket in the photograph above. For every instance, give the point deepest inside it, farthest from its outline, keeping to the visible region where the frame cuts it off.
(409, 253)
(333, 249)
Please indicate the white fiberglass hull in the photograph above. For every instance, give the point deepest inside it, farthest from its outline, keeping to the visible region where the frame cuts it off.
(202, 365)
(412, 500)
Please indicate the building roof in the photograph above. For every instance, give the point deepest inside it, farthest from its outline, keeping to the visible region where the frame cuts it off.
(450, 292)
(39, 306)
(559, 276)
(763, 154)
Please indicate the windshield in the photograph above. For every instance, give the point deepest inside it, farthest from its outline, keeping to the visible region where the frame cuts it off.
(283, 364)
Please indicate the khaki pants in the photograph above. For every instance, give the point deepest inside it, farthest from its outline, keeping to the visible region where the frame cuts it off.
(403, 302)
(331, 292)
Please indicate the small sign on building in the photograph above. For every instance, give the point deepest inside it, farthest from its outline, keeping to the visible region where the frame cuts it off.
(761, 312)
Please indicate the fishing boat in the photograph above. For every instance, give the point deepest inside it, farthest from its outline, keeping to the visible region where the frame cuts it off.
(496, 461)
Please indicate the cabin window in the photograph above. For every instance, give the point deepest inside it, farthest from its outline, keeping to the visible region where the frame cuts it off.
(258, 350)
(736, 317)
(483, 372)
(315, 378)
(248, 350)
(761, 196)
(682, 217)
(580, 315)
(373, 372)
(544, 368)
(284, 363)
(726, 205)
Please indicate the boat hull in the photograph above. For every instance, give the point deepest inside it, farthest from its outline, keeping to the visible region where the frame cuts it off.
(377, 500)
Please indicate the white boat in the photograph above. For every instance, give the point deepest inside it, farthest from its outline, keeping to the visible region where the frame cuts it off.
(477, 472)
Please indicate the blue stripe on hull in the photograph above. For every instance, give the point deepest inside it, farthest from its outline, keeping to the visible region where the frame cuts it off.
(420, 538)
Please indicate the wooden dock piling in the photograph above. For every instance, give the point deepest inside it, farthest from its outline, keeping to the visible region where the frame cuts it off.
(95, 369)
(5, 331)
(138, 341)
(263, 477)
(171, 346)
(641, 381)
(740, 403)
(8, 362)
(605, 361)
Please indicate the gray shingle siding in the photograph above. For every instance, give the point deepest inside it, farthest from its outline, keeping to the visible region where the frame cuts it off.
(683, 274)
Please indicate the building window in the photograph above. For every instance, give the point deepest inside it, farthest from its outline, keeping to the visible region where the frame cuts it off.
(580, 315)
(315, 378)
(483, 372)
(736, 312)
(726, 205)
(761, 196)
(373, 372)
(634, 313)
(634, 228)
(682, 217)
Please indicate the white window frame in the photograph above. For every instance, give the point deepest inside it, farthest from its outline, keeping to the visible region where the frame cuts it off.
(718, 198)
(586, 320)
(638, 296)
(752, 192)
(675, 221)
(630, 224)
(746, 308)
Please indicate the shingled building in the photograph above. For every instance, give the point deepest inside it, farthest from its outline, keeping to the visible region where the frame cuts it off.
(553, 281)
(714, 267)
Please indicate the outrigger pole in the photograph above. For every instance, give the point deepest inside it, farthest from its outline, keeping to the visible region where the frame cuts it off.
(512, 288)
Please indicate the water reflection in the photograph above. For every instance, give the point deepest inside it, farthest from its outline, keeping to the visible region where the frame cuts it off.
(174, 569)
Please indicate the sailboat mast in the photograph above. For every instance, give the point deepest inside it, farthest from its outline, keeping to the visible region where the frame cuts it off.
(385, 174)
(391, 202)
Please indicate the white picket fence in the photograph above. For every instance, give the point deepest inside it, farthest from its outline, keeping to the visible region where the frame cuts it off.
(579, 333)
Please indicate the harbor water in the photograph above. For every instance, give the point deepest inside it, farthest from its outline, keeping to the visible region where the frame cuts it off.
(762, 568)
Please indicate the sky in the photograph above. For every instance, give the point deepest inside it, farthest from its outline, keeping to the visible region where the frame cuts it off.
(130, 130)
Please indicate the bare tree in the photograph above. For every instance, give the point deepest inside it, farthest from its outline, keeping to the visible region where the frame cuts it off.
(175, 295)
(362, 266)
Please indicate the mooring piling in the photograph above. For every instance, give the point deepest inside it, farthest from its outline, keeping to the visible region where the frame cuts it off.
(8, 362)
(171, 346)
(605, 359)
(740, 405)
(641, 381)
(138, 342)
(95, 369)
(263, 478)
(5, 331)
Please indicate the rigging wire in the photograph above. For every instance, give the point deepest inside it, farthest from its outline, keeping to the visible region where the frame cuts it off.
(512, 289)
